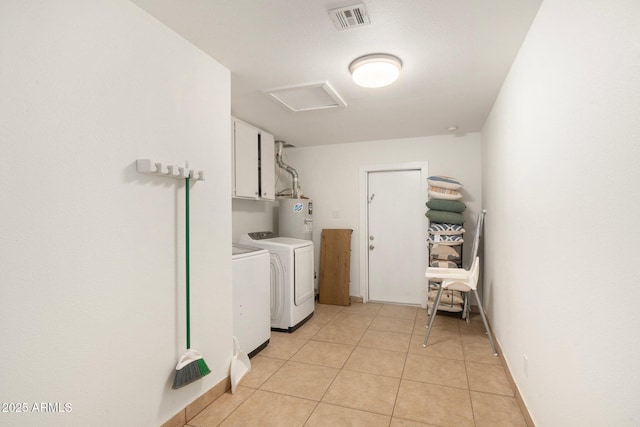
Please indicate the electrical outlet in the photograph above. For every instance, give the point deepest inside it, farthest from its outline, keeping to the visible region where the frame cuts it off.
(525, 365)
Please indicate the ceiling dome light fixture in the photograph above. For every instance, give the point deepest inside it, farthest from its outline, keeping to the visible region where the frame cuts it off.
(375, 70)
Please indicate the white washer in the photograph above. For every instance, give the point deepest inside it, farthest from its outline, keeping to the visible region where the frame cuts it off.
(292, 290)
(251, 295)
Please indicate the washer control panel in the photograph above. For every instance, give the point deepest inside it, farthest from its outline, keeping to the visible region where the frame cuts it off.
(261, 235)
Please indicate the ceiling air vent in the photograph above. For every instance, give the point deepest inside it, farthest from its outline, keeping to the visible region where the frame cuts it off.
(349, 17)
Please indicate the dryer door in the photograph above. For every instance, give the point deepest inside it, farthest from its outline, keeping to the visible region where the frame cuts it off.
(303, 262)
(277, 289)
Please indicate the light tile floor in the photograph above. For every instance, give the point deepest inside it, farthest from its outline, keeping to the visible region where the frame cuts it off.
(364, 365)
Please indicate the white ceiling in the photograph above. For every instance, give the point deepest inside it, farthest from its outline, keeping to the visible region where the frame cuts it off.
(455, 54)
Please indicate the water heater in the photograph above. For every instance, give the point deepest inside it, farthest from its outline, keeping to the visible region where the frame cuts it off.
(296, 218)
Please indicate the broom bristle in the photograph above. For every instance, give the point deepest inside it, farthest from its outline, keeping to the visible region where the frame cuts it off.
(189, 373)
(203, 368)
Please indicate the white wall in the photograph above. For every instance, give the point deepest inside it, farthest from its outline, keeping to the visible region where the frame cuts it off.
(253, 215)
(92, 252)
(561, 186)
(330, 176)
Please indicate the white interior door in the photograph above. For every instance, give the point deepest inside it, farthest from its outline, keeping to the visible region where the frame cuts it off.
(395, 233)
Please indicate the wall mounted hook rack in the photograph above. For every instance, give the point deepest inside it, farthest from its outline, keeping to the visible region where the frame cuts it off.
(170, 171)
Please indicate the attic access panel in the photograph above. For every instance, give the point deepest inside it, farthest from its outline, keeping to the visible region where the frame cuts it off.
(307, 97)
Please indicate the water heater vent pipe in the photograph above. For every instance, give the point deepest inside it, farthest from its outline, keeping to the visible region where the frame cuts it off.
(294, 174)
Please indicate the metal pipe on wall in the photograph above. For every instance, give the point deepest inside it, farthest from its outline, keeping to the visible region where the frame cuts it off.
(294, 174)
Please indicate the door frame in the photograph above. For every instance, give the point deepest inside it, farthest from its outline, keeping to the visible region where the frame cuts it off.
(363, 198)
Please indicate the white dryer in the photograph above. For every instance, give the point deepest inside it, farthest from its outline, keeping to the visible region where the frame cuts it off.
(292, 290)
(251, 289)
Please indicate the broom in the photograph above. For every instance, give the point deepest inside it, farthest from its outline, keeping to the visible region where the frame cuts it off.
(191, 366)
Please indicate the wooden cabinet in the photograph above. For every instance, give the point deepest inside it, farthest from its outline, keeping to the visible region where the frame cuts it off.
(335, 263)
(253, 162)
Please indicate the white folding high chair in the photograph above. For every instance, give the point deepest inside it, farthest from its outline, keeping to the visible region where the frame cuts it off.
(457, 279)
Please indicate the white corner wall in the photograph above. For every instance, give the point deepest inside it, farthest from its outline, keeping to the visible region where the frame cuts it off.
(92, 252)
(329, 175)
(561, 183)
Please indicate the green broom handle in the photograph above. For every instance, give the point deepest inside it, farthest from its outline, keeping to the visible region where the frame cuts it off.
(187, 267)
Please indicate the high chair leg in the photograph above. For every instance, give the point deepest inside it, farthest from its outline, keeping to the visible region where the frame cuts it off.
(432, 317)
(484, 320)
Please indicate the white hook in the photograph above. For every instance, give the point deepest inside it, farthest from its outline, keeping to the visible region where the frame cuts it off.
(171, 171)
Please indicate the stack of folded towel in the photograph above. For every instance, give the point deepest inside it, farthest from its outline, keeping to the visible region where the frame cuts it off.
(446, 231)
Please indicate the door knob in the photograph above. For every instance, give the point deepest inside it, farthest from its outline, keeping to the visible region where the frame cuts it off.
(371, 247)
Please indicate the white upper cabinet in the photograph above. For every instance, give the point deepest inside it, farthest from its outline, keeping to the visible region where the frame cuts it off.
(267, 166)
(253, 162)
(245, 162)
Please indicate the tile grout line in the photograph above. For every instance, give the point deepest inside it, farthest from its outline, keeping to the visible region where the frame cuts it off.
(339, 371)
(350, 354)
(267, 379)
(237, 407)
(466, 373)
(337, 374)
(317, 403)
(342, 369)
(404, 366)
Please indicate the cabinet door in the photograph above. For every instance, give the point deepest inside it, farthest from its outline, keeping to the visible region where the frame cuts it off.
(267, 166)
(245, 161)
